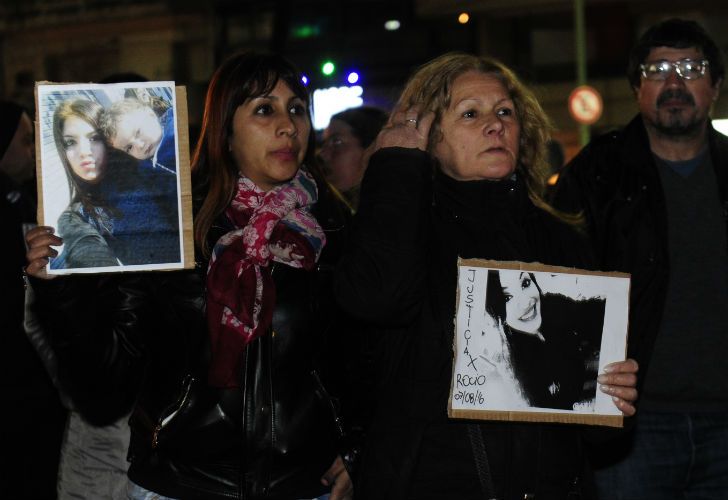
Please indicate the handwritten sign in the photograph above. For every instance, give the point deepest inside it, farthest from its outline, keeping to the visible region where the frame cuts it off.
(531, 339)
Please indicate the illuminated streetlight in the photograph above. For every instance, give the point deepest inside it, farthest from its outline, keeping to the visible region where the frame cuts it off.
(463, 18)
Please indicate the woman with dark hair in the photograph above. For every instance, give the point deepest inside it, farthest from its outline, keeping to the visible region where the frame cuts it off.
(346, 138)
(459, 171)
(33, 419)
(83, 153)
(552, 341)
(111, 198)
(222, 364)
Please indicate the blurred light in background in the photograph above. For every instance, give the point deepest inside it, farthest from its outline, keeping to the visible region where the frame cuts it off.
(305, 31)
(304, 79)
(721, 126)
(328, 68)
(392, 25)
(353, 77)
(328, 102)
(463, 18)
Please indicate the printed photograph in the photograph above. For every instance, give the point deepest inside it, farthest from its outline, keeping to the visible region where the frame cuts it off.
(110, 175)
(531, 340)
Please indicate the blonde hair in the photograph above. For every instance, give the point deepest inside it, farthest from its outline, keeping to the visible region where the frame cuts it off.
(117, 110)
(430, 89)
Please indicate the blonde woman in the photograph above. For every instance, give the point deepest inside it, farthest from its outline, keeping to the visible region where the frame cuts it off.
(458, 172)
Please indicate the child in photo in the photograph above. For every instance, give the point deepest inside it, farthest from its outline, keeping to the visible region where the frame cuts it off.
(131, 125)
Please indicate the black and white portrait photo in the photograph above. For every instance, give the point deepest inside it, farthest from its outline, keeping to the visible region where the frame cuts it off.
(532, 339)
(111, 176)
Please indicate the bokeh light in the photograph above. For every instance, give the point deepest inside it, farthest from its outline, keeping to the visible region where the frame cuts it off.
(328, 68)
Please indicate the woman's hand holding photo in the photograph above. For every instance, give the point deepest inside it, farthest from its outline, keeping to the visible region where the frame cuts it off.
(619, 381)
(40, 242)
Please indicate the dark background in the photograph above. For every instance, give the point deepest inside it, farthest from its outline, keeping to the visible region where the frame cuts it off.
(184, 40)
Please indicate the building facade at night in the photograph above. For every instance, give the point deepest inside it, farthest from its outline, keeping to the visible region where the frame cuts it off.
(184, 40)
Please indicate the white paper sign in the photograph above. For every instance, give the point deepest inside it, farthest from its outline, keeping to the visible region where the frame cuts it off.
(531, 339)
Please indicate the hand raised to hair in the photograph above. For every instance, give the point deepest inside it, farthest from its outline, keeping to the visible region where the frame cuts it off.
(40, 242)
(406, 128)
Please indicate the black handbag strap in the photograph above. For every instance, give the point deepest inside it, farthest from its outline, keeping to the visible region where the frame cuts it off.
(481, 460)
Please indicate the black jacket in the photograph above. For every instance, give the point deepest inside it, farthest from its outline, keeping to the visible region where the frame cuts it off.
(400, 275)
(614, 181)
(140, 340)
(16, 354)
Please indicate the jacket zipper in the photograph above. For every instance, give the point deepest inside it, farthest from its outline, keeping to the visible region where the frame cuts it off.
(173, 410)
(329, 402)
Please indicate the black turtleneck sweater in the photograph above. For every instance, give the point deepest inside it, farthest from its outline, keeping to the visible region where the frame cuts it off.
(400, 274)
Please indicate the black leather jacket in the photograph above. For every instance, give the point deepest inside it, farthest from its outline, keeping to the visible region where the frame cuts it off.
(140, 340)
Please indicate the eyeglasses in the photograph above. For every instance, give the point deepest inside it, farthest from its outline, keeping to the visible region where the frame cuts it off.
(687, 69)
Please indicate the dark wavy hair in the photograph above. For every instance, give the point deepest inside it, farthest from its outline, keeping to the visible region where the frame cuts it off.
(678, 34)
(241, 77)
(92, 113)
(79, 190)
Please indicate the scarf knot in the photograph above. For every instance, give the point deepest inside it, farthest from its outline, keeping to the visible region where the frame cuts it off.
(276, 225)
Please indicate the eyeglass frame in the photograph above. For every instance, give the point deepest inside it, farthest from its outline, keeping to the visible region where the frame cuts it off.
(703, 65)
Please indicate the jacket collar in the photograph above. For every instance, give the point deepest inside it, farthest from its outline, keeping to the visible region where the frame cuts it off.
(481, 200)
(637, 152)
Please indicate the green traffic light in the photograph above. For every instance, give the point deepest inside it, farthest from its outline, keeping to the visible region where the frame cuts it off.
(328, 68)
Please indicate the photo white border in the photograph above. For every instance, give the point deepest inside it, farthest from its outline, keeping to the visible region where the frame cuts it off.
(471, 316)
(53, 192)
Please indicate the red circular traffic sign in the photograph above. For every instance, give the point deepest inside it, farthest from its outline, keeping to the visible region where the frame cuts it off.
(585, 104)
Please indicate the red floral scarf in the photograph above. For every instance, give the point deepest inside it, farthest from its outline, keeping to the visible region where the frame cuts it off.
(274, 225)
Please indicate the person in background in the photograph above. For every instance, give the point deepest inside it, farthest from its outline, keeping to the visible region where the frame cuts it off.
(220, 365)
(654, 195)
(346, 138)
(458, 172)
(32, 417)
(342, 157)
